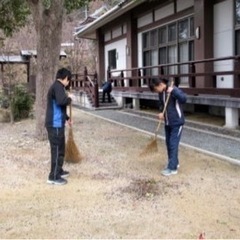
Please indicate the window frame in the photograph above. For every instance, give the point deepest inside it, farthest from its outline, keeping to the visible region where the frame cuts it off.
(112, 55)
(169, 44)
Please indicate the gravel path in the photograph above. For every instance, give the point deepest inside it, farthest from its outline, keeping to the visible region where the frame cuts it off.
(207, 138)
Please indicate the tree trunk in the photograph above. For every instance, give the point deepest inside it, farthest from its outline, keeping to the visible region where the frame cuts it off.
(48, 24)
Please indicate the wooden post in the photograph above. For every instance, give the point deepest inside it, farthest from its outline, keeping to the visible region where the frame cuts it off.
(122, 79)
(192, 79)
(96, 77)
(96, 95)
(85, 73)
(139, 79)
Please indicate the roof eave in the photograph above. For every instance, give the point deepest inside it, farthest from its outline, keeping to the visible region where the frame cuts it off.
(90, 30)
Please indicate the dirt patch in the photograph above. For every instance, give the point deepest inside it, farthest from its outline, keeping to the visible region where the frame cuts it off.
(113, 193)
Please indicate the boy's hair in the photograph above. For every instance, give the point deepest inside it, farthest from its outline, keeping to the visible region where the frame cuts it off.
(154, 82)
(63, 73)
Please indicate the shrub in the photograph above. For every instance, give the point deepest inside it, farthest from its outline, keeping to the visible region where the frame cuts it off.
(22, 102)
(4, 100)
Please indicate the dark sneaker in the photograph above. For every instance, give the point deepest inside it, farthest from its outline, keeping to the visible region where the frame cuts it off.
(64, 174)
(168, 172)
(60, 181)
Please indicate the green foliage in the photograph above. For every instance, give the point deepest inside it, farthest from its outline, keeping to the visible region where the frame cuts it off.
(70, 5)
(22, 102)
(13, 15)
(47, 4)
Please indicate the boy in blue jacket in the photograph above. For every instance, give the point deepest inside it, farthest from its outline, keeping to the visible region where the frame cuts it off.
(107, 88)
(56, 117)
(174, 120)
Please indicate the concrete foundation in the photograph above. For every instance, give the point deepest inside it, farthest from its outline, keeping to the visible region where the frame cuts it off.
(136, 103)
(231, 117)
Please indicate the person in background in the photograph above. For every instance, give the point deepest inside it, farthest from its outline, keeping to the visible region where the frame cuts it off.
(107, 88)
(173, 117)
(56, 117)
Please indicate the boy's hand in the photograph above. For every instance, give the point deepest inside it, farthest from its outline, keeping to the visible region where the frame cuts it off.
(69, 122)
(70, 95)
(169, 90)
(161, 116)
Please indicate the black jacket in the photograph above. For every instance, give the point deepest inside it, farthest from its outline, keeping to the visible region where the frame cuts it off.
(174, 113)
(57, 100)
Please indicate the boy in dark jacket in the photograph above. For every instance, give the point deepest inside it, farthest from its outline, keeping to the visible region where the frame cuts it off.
(107, 88)
(174, 120)
(56, 116)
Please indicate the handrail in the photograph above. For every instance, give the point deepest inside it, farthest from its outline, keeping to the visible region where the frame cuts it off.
(90, 80)
(237, 57)
(87, 85)
(191, 74)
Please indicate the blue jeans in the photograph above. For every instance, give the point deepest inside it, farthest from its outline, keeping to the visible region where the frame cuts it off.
(173, 136)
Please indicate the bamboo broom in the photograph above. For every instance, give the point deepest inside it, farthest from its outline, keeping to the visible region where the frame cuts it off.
(152, 147)
(72, 153)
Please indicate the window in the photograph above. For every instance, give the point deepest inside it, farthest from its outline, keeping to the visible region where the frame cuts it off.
(237, 27)
(112, 59)
(237, 12)
(183, 29)
(146, 42)
(191, 27)
(153, 38)
(171, 43)
(237, 42)
(162, 35)
(172, 32)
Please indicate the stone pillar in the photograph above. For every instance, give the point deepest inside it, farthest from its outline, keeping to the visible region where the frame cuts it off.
(231, 117)
(136, 103)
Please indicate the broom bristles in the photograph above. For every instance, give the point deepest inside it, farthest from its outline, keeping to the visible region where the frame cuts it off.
(150, 148)
(72, 153)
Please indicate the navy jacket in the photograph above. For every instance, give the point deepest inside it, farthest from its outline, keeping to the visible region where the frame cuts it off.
(107, 87)
(57, 101)
(174, 113)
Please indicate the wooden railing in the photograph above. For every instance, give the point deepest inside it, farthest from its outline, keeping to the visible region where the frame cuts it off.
(198, 73)
(87, 83)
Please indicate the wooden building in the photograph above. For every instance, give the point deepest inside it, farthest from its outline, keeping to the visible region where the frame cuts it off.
(194, 42)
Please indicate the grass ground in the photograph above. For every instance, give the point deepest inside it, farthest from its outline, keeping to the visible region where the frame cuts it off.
(113, 193)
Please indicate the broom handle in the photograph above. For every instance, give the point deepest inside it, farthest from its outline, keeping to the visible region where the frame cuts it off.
(70, 108)
(70, 111)
(164, 109)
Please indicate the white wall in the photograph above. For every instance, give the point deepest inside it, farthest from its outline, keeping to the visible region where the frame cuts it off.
(164, 11)
(224, 40)
(120, 47)
(145, 20)
(183, 4)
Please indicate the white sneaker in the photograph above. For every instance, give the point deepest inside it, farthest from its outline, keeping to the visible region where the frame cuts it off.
(168, 172)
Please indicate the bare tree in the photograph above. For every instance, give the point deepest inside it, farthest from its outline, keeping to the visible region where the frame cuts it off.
(48, 24)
